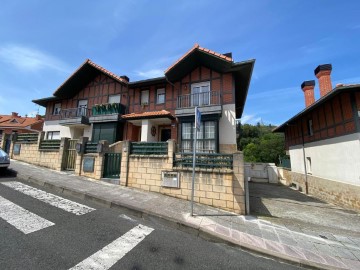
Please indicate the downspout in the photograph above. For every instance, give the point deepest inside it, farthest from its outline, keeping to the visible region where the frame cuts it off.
(303, 148)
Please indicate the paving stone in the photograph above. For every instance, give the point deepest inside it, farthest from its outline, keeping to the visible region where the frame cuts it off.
(351, 264)
(222, 230)
(270, 234)
(330, 260)
(312, 256)
(274, 246)
(294, 252)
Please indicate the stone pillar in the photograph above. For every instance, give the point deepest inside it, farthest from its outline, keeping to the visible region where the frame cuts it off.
(171, 150)
(13, 138)
(2, 140)
(103, 147)
(124, 163)
(273, 174)
(80, 155)
(239, 183)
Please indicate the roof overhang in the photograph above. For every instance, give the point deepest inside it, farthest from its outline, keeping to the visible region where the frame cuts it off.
(336, 91)
(148, 115)
(44, 101)
(149, 82)
(194, 59)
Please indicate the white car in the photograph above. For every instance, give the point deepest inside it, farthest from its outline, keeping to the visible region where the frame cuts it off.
(4, 159)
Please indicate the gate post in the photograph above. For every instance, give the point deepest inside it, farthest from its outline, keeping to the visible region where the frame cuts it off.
(239, 182)
(124, 163)
(80, 155)
(64, 145)
(99, 163)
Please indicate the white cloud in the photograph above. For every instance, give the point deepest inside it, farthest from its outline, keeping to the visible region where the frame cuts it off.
(152, 73)
(250, 119)
(29, 59)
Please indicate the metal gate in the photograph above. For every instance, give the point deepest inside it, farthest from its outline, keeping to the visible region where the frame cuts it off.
(71, 156)
(112, 165)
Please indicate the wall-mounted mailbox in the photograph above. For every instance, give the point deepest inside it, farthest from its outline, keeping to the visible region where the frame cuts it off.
(170, 179)
(88, 164)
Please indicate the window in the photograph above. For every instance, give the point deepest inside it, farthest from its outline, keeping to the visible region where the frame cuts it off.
(160, 96)
(310, 128)
(144, 97)
(82, 107)
(114, 99)
(206, 137)
(200, 94)
(53, 135)
(57, 109)
(308, 161)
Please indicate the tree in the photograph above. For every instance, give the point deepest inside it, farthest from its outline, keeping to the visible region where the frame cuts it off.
(259, 144)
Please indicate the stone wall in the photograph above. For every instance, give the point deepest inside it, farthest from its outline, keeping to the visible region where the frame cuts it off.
(335, 192)
(284, 176)
(222, 188)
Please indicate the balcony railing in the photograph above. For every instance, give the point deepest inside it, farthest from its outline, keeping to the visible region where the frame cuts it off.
(109, 108)
(199, 99)
(74, 113)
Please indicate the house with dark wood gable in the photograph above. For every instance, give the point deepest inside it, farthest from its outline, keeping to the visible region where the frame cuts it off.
(323, 141)
(95, 103)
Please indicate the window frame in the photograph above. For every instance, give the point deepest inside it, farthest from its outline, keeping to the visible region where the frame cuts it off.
(113, 96)
(142, 101)
(201, 141)
(200, 98)
(160, 94)
(55, 111)
(52, 135)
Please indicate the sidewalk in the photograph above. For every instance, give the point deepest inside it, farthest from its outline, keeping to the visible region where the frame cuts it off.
(328, 251)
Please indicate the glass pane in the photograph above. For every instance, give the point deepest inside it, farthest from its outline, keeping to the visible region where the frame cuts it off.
(195, 96)
(200, 134)
(186, 131)
(114, 99)
(210, 130)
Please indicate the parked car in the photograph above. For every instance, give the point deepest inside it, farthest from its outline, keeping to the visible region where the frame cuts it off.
(4, 159)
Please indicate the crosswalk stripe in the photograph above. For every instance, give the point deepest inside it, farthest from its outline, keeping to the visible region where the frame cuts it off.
(109, 255)
(64, 204)
(21, 218)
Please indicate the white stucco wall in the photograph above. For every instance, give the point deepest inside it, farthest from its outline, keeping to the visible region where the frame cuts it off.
(336, 159)
(227, 125)
(54, 126)
(146, 126)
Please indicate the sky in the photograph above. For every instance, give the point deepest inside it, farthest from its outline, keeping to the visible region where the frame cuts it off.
(43, 42)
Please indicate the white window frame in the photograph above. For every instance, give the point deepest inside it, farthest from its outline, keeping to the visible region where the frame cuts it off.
(160, 92)
(82, 107)
(53, 135)
(57, 108)
(114, 99)
(144, 98)
(200, 96)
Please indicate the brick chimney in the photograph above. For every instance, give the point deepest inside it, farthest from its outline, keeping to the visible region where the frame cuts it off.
(308, 88)
(38, 117)
(323, 72)
(14, 114)
(126, 78)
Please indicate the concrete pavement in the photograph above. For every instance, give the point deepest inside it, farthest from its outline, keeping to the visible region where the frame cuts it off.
(277, 239)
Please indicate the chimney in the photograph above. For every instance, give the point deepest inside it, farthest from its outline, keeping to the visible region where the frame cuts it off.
(229, 54)
(323, 72)
(38, 117)
(126, 78)
(308, 88)
(14, 114)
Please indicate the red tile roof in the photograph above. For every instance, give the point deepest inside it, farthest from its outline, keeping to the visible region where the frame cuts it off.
(197, 47)
(147, 115)
(18, 121)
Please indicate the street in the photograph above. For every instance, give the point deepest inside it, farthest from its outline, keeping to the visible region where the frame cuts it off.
(42, 230)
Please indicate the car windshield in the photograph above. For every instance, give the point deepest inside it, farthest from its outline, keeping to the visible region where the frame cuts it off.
(3, 153)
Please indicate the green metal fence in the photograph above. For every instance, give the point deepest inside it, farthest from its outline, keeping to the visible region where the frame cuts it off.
(91, 147)
(49, 145)
(112, 165)
(149, 148)
(27, 137)
(206, 161)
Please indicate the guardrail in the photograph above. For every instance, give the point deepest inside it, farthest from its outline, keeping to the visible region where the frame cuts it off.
(27, 137)
(199, 99)
(149, 148)
(49, 145)
(108, 108)
(74, 113)
(207, 161)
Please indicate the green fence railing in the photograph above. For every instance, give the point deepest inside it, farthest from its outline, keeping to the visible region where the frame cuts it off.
(149, 148)
(204, 160)
(91, 147)
(108, 108)
(27, 137)
(49, 145)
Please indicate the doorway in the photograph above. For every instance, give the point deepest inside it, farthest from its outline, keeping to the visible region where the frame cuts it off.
(165, 134)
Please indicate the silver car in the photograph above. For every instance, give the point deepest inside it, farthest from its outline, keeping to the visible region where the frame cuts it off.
(4, 159)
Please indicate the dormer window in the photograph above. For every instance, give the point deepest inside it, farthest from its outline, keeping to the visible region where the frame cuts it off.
(14, 121)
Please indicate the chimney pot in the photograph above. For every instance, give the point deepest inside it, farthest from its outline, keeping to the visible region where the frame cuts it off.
(126, 78)
(322, 72)
(308, 89)
(38, 117)
(14, 114)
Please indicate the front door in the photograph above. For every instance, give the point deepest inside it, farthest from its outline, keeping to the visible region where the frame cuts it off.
(165, 134)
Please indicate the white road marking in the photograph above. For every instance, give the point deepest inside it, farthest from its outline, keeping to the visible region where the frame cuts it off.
(21, 218)
(64, 204)
(109, 255)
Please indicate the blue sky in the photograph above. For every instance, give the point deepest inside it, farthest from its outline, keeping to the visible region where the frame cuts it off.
(43, 42)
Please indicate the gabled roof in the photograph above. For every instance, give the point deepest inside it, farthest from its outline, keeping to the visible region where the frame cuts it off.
(81, 77)
(148, 115)
(337, 90)
(198, 56)
(10, 121)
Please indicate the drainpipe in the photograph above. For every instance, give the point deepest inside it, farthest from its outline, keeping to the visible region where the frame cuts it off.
(303, 148)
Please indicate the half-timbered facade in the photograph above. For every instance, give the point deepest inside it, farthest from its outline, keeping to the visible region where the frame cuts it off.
(98, 104)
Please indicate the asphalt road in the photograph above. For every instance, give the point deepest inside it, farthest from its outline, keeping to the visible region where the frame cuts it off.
(100, 235)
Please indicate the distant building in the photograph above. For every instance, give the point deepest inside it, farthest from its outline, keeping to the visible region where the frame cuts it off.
(15, 123)
(323, 141)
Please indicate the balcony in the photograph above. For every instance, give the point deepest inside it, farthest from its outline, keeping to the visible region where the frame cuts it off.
(207, 102)
(107, 112)
(75, 117)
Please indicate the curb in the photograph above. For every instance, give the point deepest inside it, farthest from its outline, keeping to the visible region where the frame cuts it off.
(187, 227)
